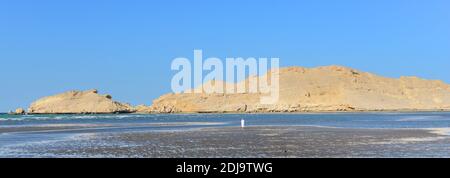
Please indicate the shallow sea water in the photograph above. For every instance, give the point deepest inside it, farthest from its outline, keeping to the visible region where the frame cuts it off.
(205, 135)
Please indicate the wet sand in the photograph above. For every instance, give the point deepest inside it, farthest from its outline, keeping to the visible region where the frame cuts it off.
(251, 142)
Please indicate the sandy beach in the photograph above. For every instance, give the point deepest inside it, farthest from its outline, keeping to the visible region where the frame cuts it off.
(251, 142)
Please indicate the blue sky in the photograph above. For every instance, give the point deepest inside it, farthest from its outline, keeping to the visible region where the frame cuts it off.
(125, 47)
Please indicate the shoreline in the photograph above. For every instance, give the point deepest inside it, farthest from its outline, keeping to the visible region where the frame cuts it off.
(252, 142)
(247, 113)
(220, 135)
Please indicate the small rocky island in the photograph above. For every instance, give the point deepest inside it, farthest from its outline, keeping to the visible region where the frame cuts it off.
(79, 102)
(321, 89)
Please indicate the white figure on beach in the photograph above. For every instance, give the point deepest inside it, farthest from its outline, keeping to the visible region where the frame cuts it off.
(242, 123)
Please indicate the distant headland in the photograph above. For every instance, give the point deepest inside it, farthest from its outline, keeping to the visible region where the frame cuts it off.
(320, 89)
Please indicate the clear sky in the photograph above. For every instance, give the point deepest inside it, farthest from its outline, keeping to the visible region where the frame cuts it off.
(125, 47)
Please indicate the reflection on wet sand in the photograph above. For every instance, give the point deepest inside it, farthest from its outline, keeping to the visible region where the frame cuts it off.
(254, 142)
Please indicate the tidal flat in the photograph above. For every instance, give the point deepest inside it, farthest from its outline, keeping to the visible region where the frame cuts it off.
(338, 135)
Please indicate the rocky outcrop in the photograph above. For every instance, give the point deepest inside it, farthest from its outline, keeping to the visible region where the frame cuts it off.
(143, 109)
(79, 102)
(321, 89)
(18, 111)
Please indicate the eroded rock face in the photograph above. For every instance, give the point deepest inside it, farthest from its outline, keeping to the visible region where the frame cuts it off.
(19, 111)
(329, 88)
(79, 102)
(143, 109)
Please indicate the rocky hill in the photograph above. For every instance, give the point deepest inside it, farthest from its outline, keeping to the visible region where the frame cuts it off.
(321, 89)
(78, 102)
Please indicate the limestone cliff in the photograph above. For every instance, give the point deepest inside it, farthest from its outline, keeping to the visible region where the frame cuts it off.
(330, 88)
(78, 102)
